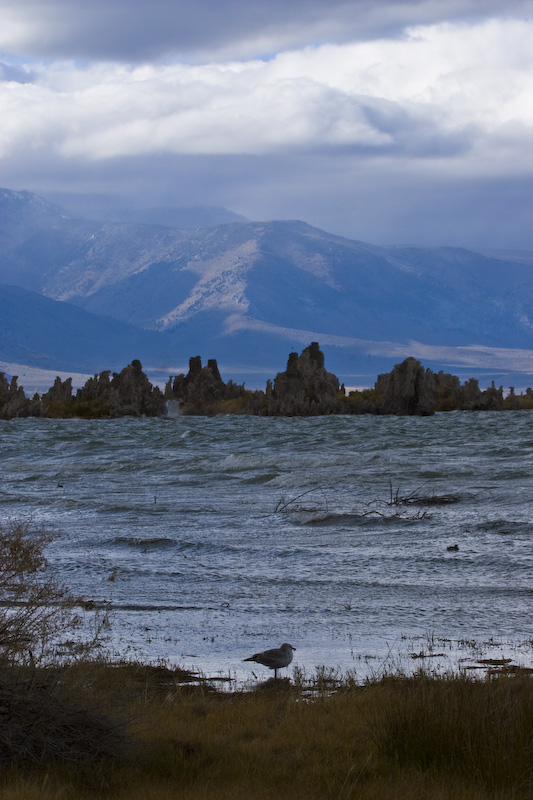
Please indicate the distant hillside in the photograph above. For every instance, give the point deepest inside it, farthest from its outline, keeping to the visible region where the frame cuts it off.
(246, 292)
(44, 333)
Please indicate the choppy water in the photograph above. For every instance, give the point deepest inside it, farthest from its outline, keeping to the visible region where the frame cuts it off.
(232, 534)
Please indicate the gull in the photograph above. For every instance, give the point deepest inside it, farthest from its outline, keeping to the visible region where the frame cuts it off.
(275, 659)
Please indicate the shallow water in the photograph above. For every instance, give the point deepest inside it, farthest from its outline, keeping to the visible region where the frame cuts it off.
(215, 538)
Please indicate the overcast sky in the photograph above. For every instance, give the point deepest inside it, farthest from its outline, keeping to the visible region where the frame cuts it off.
(390, 122)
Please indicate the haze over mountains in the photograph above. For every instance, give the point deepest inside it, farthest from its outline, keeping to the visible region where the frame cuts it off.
(86, 295)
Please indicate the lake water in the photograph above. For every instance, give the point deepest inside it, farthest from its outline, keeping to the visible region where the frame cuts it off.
(214, 538)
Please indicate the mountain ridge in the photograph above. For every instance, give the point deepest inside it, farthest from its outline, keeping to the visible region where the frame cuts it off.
(246, 291)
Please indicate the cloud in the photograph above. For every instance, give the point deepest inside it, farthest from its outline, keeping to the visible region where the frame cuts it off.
(381, 132)
(425, 96)
(136, 31)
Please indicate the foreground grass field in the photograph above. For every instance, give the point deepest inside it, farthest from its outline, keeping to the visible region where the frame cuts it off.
(144, 733)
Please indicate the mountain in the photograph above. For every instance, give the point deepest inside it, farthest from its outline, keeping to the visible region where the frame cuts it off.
(35, 236)
(247, 293)
(44, 333)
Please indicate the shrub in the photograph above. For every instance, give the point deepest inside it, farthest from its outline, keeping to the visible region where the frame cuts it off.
(45, 718)
(46, 713)
(32, 604)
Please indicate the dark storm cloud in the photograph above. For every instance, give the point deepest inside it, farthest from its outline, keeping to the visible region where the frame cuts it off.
(375, 202)
(421, 137)
(137, 30)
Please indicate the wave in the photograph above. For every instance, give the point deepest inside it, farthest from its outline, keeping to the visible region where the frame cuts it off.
(214, 535)
(144, 542)
(150, 607)
(214, 547)
(504, 526)
(246, 461)
(267, 477)
(349, 518)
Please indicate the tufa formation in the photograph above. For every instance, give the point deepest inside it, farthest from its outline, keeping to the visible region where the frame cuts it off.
(305, 388)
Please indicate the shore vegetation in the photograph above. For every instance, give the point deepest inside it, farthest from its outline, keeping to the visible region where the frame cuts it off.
(132, 732)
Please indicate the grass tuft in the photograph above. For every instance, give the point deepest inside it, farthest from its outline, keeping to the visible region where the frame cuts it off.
(470, 728)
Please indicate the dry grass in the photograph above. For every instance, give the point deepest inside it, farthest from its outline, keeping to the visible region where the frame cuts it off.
(397, 739)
